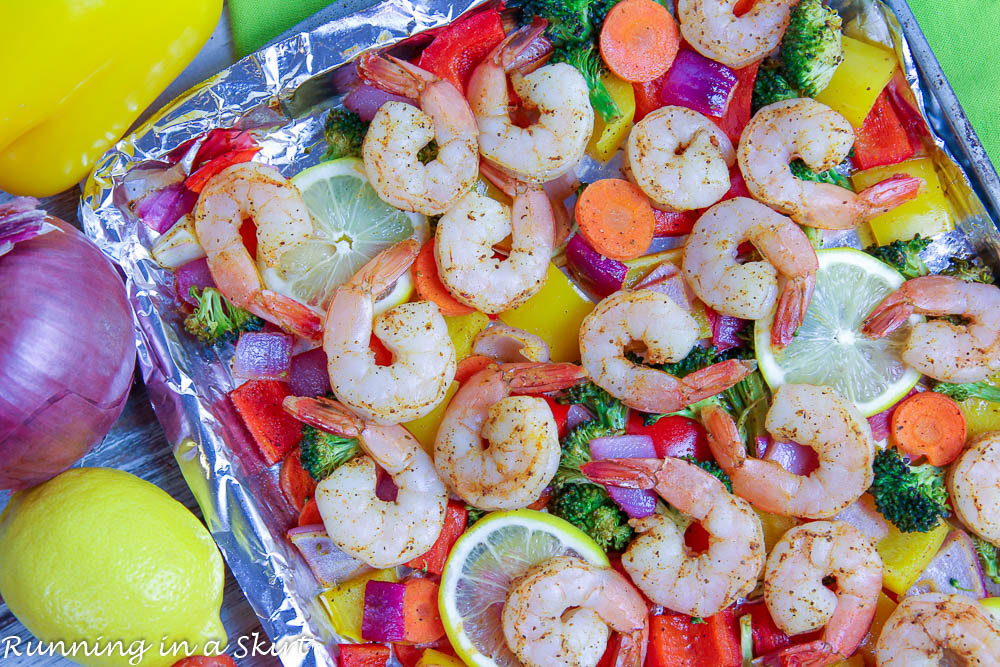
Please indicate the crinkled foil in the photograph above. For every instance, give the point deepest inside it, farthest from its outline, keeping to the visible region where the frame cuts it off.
(283, 90)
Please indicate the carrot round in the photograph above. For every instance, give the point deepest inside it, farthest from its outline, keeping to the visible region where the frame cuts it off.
(421, 618)
(639, 40)
(931, 425)
(615, 218)
(429, 285)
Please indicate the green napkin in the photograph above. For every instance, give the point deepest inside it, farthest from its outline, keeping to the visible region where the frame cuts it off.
(256, 22)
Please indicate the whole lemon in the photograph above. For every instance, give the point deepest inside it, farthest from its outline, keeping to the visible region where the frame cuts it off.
(98, 555)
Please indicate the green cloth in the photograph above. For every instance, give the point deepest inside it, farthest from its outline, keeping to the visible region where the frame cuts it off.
(256, 22)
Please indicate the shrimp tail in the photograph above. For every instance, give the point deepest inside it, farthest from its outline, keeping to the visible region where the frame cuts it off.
(816, 653)
(632, 650)
(888, 194)
(723, 438)
(887, 316)
(628, 473)
(524, 50)
(385, 268)
(503, 181)
(711, 380)
(289, 314)
(394, 75)
(539, 378)
(325, 414)
(792, 307)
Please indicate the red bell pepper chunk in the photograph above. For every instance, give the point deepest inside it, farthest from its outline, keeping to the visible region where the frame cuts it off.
(767, 638)
(408, 654)
(674, 641)
(364, 655)
(647, 97)
(882, 139)
(259, 404)
(297, 485)
(672, 435)
(383, 357)
(454, 525)
(560, 413)
(457, 49)
(723, 632)
(738, 114)
(673, 223)
(310, 516)
(197, 180)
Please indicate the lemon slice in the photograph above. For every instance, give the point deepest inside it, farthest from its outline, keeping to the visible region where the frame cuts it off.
(350, 226)
(829, 348)
(483, 564)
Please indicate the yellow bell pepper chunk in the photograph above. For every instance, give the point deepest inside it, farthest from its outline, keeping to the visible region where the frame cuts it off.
(425, 428)
(859, 80)
(432, 658)
(74, 80)
(854, 661)
(926, 214)
(981, 416)
(345, 603)
(993, 606)
(608, 137)
(884, 607)
(905, 555)
(774, 526)
(554, 314)
(463, 329)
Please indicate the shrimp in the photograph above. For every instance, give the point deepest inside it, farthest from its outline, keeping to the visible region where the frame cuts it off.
(935, 629)
(464, 244)
(817, 417)
(380, 533)
(668, 332)
(679, 159)
(821, 137)
(423, 356)
(667, 571)
(523, 452)
(399, 130)
(711, 27)
(798, 601)
(974, 487)
(560, 612)
(944, 351)
(750, 290)
(256, 191)
(553, 144)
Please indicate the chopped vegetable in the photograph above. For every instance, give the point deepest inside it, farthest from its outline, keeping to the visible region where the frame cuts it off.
(599, 274)
(324, 452)
(639, 40)
(382, 619)
(904, 256)
(770, 87)
(421, 619)
(905, 555)
(585, 57)
(927, 214)
(463, 329)
(988, 558)
(609, 411)
(433, 658)
(699, 83)
(609, 135)
(968, 270)
(676, 639)
(882, 140)
(215, 319)
(746, 640)
(201, 176)
(615, 218)
(673, 435)
(738, 113)
(297, 485)
(967, 390)
(459, 47)
(364, 655)
(222, 660)
(429, 285)
(954, 569)
(309, 515)
(274, 431)
(673, 223)
(591, 509)
(767, 638)
(344, 602)
(912, 498)
(179, 245)
(811, 49)
(308, 374)
(262, 356)
(832, 176)
(859, 80)
(455, 518)
(328, 564)
(929, 424)
(884, 607)
(345, 133)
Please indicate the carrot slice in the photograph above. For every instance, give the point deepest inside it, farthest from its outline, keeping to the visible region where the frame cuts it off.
(639, 40)
(429, 285)
(615, 218)
(931, 425)
(421, 618)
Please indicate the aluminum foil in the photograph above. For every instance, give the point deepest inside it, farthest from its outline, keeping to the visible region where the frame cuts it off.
(283, 90)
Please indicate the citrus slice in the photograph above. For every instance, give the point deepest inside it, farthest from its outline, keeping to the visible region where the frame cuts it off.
(483, 564)
(829, 348)
(350, 226)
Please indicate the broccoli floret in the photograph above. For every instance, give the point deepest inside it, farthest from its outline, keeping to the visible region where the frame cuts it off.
(968, 270)
(699, 357)
(713, 469)
(568, 20)
(215, 319)
(610, 412)
(913, 498)
(988, 555)
(802, 171)
(473, 514)
(585, 58)
(965, 390)
(576, 451)
(345, 132)
(904, 256)
(770, 87)
(322, 452)
(591, 509)
(811, 49)
(428, 153)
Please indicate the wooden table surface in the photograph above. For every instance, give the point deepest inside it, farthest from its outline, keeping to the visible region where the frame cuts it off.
(136, 443)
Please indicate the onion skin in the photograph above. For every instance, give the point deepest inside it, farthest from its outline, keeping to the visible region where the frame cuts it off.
(67, 355)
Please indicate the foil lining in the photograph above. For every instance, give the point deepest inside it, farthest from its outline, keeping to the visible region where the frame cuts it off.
(283, 91)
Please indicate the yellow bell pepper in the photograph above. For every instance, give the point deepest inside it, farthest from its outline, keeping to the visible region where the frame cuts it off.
(926, 214)
(774, 526)
(854, 661)
(463, 329)
(78, 74)
(993, 606)
(905, 555)
(859, 80)
(554, 314)
(608, 137)
(981, 416)
(345, 603)
(884, 607)
(425, 429)
(432, 658)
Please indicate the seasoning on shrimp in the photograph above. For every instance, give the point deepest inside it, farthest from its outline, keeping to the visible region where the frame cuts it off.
(933, 629)
(974, 487)
(714, 30)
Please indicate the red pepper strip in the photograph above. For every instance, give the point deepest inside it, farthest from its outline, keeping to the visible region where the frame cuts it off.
(610, 657)
(674, 641)
(647, 98)
(461, 46)
(904, 104)
(767, 638)
(383, 357)
(215, 143)
(297, 485)
(672, 435)
(738, 114)
(310, 516)
(364, 655)
(882, 139)
(454, 525)
(407, 654)
(673, 223)
(724, 638)
(198, 179)
(560, 413)
(259, 404)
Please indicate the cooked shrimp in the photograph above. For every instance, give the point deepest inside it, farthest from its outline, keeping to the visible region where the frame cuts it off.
(523, 452)
(256, 191)
(399, 130)
(821, 137)
(380, 533)
(506, 343)
(817, 417)
(561, 613)
(944, 351)
(668, 332)
(974, 487)
(711, 27)
(660, 564)
(553, 144)
(679, 158)
(464, 244)
(557, 190)
(423, 356)
(750, 290)
(934, 629)
(799, 602)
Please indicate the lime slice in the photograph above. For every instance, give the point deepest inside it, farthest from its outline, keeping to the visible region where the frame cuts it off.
(483, 564)
(350, 226)
(829, 348)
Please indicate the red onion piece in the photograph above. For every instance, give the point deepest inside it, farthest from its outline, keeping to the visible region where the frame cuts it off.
(698, 83)
(956, 561)
(862, 515)
(308, 374)
(637, 503)
(365, 99)
(724, 331)
(147, 178)
(21, 220)
(383, 612)
(192, 274)
(162, 208)
(601, 275)
(385, 488)
(667, 279)
(791, 456)
(262, 356)
(577, 414)
(329, 564)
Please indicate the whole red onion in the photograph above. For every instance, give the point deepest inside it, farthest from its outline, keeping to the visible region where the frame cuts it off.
(66, 353)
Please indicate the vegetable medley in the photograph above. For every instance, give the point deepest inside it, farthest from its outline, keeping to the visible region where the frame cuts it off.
(672, 415)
